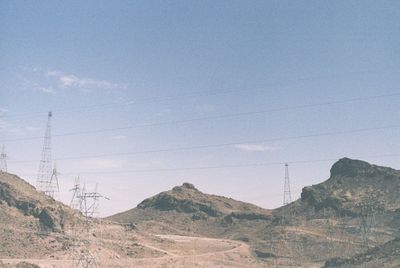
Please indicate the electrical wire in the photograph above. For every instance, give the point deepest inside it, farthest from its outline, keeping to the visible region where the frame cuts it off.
(209, 146)
(206, 118)
(262, 164)
(203, 93)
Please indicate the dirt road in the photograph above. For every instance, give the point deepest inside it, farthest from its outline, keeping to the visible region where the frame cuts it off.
(179, 251)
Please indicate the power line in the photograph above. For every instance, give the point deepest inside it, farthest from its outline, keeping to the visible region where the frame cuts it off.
(218, 166)
(131, 102)
(207, 146)
(206, 118)
(210, 92)
(366, 98)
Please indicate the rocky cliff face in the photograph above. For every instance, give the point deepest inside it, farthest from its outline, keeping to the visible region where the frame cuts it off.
(32, 225)
(355, 186)
(17, 194)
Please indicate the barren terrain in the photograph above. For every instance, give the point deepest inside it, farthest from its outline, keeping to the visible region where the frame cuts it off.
(350, 220)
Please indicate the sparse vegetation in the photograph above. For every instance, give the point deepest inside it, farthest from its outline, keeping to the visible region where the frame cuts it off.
(350, 220)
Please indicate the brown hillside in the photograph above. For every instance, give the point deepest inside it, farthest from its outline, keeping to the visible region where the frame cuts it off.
(324, 223)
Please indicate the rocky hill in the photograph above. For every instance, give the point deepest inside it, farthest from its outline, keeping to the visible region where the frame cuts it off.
(349, 220)
(26, 215)
(353, 187)
(38, 231)
(188, 200)
(326, 222)
(17, 197)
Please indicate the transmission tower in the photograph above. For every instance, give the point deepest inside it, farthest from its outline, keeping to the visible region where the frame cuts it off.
(53, 187)
(88, 204)
(287, 196)
(90, 201)
(288, 253)
(47, 179)
(86, 260)
(368, 210)
(3, 159)
(76, 192)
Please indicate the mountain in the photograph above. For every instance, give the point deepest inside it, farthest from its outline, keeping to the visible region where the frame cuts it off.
(189, 201)
(16, 195)
(354, 186)
(185, 210)
(38, 231)
(25, 214)
(326, 222)
(349, 220)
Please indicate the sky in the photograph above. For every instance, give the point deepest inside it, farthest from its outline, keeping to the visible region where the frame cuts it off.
(147, 95)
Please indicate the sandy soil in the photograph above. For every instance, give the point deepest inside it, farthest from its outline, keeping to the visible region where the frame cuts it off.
(178, 251)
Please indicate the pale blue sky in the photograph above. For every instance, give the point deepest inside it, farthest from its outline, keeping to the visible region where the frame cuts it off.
(164, 61)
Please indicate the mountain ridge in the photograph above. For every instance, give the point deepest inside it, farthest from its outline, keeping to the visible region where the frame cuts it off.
(339, 203)
(322, 227)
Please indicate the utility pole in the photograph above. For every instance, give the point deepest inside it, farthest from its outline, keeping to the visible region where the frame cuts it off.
(86, 260)
(287, 196)
(90, 201)
(76, 191)
(3, 160)
(53, 186)
(47, 180)
(88, 206)
(367, 212)
(285, 247)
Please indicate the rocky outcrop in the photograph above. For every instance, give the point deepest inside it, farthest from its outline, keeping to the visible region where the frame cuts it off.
(16, 193)
(321, 220)
(386, 253)
(166, 202)
(317, 198)
(351, 168)
(352, 186)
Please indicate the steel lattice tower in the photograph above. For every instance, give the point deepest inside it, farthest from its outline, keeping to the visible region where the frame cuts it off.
(76, 192)
(88, 205)
(90, 201)
(53, 187)
(3, 159)
(47, 180)
(287, 196)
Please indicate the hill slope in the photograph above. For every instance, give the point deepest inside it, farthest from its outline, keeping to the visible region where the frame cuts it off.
(37, 230)
(324, 223)
(188, 200)
(26, 215)
(349, 220)
(19, 197)
(387, 254)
